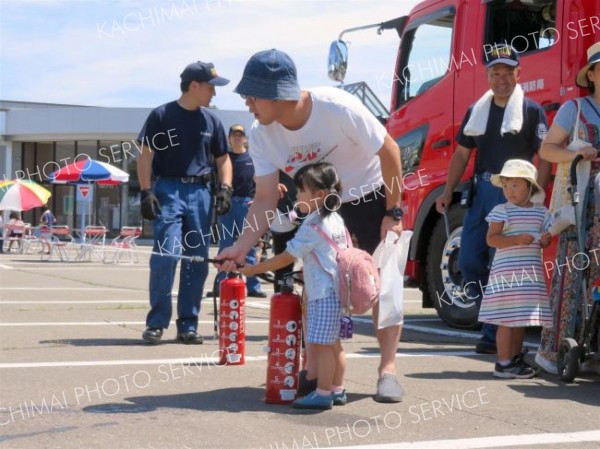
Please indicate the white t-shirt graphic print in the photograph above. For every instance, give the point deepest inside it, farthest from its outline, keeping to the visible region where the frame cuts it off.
(340, 130)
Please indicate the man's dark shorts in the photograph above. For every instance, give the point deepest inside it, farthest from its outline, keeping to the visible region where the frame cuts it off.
(363, 219)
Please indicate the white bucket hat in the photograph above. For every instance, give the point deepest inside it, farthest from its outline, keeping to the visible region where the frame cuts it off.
(518, 168)
(593, 54)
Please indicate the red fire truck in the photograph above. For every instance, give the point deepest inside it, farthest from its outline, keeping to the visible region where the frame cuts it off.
(439, 72)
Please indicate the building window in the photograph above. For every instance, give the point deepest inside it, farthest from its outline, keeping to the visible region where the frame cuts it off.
(64, 196)
(65, 153)
(28, 162)
(45, 162)
(88, 147)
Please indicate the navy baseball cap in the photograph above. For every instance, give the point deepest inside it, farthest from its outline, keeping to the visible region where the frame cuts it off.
(237, 128)
(270, 74)
(203, 72)
(502, 54)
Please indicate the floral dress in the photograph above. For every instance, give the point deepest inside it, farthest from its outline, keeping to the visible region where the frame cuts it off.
(566, 269)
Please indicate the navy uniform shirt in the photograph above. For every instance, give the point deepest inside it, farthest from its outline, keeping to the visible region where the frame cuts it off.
(493, 150)
(243, 174)
(184, 142)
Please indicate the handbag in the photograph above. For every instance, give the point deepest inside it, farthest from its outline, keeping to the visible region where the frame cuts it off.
(561, 208)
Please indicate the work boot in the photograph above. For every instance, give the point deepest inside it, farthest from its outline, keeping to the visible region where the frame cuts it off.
(190, 338)
(485, 346)
(152, 335)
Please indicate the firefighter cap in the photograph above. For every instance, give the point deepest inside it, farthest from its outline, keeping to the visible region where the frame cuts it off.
(237, 128)
(203, 72)
(502, 54)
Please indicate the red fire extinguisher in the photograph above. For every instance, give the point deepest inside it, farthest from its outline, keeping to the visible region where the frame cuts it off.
(285, 326)
(232, 318)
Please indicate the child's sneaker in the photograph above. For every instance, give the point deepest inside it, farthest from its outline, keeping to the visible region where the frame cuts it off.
(314, 401)
(514, 371)
(339, 398)
(520, 360)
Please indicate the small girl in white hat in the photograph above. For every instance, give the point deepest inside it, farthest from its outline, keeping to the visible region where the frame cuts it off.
(515, 296)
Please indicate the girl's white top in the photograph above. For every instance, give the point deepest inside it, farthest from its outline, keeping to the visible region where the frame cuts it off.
(319, 277)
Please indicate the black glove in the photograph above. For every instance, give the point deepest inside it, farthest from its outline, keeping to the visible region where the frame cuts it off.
(223, 199)
(150, 205)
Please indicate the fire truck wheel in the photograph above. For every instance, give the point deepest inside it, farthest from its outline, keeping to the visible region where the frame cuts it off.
(444, 281)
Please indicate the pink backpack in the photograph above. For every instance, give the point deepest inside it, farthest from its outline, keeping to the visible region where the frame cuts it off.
(360, 283)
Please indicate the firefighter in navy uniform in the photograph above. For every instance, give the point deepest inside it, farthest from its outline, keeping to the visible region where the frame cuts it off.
(232, 223)
(180, 142)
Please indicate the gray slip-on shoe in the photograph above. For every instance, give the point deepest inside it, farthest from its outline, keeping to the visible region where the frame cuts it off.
(389, 389)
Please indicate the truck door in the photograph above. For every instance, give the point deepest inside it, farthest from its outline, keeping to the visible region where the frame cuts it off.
(422, 95)
(433, 74)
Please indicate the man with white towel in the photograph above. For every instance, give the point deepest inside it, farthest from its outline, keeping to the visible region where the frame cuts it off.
(503, 124)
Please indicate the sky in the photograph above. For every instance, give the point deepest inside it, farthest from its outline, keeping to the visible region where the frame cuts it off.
(130, 53)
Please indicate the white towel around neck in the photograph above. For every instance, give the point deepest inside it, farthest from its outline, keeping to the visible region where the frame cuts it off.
(512, 122)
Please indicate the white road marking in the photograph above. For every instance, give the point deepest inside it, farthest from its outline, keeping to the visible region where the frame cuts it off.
(87, 267)
(189, 360)
(68, 289)
(425, 320)
(265, 304)
(427, 330)
(210, 360)
(445, 332)
(105, 323)
(450, 333)
(106, 301)
(510, 441)
(256, 305)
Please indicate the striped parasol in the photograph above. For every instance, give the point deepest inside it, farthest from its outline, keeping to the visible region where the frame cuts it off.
(89, 171)
(18, 194)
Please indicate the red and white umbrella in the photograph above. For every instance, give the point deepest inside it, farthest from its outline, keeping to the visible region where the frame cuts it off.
(88, 171)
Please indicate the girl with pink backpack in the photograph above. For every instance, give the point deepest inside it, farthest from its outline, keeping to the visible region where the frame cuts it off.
(318, 198)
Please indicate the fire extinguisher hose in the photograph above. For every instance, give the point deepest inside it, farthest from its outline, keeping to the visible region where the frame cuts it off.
(197, 259)
(215, 310)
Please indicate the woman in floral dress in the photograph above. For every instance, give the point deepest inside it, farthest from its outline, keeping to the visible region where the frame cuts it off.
(565, 274)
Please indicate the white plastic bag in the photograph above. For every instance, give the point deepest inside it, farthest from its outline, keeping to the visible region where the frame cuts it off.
(562, 218)
(390, 256)
(561, 208)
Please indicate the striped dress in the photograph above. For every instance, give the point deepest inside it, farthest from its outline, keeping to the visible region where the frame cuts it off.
(516, 294)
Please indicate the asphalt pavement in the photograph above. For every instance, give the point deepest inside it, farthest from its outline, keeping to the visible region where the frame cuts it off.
(74, 373)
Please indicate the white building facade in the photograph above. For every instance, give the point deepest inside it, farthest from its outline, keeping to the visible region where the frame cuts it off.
(37, 139)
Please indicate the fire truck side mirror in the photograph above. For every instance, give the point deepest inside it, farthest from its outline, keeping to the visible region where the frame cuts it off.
(338, 60)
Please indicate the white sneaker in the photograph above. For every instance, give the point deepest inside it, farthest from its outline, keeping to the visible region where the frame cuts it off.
(545, 364)
(590, 367)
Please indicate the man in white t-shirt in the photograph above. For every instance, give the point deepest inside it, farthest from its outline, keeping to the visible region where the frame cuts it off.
(294, 128)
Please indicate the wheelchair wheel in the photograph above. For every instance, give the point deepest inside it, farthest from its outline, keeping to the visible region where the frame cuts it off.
(568, 360)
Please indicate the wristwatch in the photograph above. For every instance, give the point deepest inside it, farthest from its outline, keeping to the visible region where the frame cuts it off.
(396, 213)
